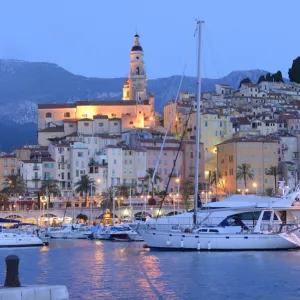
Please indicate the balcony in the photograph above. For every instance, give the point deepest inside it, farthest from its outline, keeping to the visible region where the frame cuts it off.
(35, 168)
(295, 156)
(129, 184)
(284, 147)
(34, 178)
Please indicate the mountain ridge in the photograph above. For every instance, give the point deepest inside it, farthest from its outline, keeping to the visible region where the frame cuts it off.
(25, 84)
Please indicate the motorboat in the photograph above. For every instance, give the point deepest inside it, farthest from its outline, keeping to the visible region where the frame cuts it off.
(17, 240)
(230, 234)
(70, 231)
(117, 233)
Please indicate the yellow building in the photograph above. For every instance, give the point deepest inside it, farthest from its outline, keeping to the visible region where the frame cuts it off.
(8, 166)
(260, 152)
(135, 110)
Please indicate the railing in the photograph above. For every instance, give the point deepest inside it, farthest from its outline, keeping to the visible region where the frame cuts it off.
(36, 168)
(36, 178)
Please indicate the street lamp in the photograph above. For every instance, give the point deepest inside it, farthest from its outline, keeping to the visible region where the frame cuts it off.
(255, 186)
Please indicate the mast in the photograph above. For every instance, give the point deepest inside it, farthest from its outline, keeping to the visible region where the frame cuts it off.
(199, 28)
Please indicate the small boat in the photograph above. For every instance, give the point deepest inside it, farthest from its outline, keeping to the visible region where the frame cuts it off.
(17, 240)
(117, 233)
(70, 231)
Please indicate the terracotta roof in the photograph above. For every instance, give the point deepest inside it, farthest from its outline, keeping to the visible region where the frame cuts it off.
(84, 119)
(259, 139)
(53, 129)
(100, 117)
(54, 105)
(70, 120)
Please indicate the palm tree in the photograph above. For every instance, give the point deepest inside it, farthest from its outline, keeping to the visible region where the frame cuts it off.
(149, 176)
(274, 171)
(108, 198)
(244, 171)
(48, 188)
(14, 185)
(187, 189)
(84, 185)
(123, 191)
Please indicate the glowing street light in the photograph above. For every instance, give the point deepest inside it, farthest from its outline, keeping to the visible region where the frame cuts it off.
(255, 186)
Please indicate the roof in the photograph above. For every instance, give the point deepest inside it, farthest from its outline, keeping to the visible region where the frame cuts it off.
(136, 48)
(259, 139)
(53, 129)
(70, 120)
(84, 119)
(8, 156)
(159, 141)
(100, 117)
(55, 105)
(43, 159)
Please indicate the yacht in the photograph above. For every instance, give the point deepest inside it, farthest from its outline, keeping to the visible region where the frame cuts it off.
(70, 231)
(230, 234)
(16, 240)
(117, 233)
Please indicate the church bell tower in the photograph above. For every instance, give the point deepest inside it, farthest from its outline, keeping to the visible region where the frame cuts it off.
(135, 86)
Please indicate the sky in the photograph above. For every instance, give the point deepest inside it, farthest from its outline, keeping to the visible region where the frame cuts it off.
(93, 38)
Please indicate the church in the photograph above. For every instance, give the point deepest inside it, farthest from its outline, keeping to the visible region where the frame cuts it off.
(135, 110)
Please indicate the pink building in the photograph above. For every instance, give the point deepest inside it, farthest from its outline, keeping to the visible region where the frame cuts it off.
(185, 164)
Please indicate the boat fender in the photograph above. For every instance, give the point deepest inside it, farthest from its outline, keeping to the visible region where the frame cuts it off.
(208, 245)
(168, 242)
(181, 243)
(198, 245)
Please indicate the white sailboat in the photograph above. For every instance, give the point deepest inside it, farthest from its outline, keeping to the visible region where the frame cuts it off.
(18, 240)
(70, 231)
(229, 232)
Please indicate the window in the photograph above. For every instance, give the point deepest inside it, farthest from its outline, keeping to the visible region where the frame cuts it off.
(77, 173)
(101, 124)
(165, 171)
(205, 123)
(5, 172)
(62, 175)
(95, 140)
(115, 161)
(130, 162)
(5, 163)
(230, 158)
(82, 165)
(12, 162)
(12, 171)
(67, 115)
(80, 154)
(71, 125)
(165, 162)
(221, 124)
(86, 124)
(115, 124)
(48, 115)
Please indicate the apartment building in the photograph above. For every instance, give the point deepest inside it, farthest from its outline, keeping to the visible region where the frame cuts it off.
(260, 152)
(8, 166)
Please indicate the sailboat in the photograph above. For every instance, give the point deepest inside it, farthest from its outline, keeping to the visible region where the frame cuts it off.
(230, 233)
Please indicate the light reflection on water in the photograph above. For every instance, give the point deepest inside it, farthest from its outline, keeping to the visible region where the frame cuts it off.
(112, 270)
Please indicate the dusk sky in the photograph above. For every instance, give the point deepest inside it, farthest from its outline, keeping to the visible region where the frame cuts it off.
(93, 38)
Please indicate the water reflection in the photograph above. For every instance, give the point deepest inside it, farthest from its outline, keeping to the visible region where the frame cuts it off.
(109, 270)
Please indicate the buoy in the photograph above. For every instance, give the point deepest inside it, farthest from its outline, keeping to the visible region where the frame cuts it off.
(168, 242)
(208, 246)
(198, 246)
(181, 243)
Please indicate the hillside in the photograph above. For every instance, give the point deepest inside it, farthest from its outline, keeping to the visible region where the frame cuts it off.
(25, 84)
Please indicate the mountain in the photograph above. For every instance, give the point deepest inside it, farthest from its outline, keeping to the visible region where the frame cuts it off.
(25, 84)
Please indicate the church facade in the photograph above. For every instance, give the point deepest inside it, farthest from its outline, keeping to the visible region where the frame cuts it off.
(135, 110)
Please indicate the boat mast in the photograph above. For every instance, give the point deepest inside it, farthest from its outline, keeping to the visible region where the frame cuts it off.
(199, 27)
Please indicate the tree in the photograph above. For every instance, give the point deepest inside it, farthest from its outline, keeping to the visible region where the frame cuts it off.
(123, 191)
(294, 71)
(13, 185)
(245, 80)
(277, 77)
(274, 171)
(84, 185)
(261, 78)
(4, 202)
(244, 171)
(187, 189)
(107, 198)
(215, 177)
(82, 217)
(269, 77)
(48, 188)
(149, 175)
(269, 192)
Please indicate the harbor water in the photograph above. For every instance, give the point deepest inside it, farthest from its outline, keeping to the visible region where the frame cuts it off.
(114, 270)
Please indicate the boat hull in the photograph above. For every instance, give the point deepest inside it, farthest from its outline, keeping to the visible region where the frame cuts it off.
(18, 241)
(229, 242)
(69, 235)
